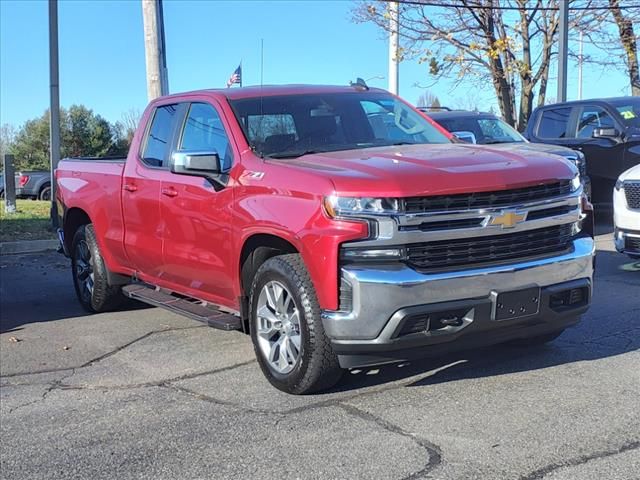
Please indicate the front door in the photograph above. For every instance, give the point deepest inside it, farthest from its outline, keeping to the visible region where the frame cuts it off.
(197, 215)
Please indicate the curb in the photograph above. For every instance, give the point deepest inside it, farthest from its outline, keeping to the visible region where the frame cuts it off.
(27, 246)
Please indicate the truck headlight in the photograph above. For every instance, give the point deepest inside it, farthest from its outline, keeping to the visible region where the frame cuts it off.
(576, 183)
(336, 206)
(619, 185)
(371, 254)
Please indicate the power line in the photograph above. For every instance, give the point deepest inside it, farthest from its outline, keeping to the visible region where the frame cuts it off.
(427, 3)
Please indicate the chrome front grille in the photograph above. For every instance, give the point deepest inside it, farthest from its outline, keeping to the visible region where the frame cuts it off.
(632, 193)
(478, 251)
(484, 200)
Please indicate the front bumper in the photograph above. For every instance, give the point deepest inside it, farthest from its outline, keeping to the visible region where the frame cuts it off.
(383, 297)
(627, 241)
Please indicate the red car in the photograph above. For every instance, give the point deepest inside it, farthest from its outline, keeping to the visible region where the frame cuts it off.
(339, 226)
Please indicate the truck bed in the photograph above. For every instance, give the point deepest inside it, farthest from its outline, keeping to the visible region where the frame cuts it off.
(93, 185)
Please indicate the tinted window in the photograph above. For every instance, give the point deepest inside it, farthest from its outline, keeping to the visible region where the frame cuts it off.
(593, 117)
(554, 123)
(289, 126)
(204, 132)
(159, 136)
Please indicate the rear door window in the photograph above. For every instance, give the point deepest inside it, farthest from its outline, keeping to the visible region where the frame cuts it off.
(593, 117)
(554, 123)
(159, 136)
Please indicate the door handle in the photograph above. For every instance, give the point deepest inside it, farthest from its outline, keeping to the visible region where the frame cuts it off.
(129, 187)
(170, 192)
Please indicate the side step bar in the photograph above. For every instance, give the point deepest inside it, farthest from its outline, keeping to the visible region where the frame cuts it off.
(191, 308)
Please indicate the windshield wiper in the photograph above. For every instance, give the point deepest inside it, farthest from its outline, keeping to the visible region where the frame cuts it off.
(292, 154)
(493, 142)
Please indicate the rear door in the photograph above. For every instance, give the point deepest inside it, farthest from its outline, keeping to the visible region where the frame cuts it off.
(196, 214)
(141, 185)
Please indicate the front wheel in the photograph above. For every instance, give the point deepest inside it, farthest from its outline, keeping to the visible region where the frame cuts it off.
(286, 329)
(90, 273)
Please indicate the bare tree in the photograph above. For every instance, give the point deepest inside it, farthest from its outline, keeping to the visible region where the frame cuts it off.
(428, 100)
(629, 42)
(7, 138)
(509, 44)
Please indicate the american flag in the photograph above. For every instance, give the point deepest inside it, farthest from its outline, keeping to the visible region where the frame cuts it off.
(236, 77)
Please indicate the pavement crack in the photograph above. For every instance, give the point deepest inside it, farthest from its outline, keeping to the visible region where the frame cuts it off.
(434, 451)
(215, 401)
(544, 471)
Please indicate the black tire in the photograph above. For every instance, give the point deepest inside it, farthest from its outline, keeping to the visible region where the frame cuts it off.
(101, 297)
(539, 340)
(317, 366)
(45, 192)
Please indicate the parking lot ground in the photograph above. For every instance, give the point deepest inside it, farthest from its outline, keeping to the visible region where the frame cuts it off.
(143, 393)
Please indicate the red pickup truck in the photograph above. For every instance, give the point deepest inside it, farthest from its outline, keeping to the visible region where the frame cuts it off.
(338, 226)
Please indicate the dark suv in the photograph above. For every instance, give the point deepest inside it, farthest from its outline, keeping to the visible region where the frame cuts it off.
(606, 130)
(488, 129)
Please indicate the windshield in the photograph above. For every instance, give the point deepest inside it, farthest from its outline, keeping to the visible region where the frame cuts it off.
(629, 110)
(294, 125)
(487, 130)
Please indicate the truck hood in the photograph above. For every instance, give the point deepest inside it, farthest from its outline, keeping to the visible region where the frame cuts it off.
(536, 147)
(413, 170)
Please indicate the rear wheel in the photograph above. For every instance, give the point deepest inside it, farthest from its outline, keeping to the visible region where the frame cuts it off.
(45, 193)
(90, 273)
(286, 329)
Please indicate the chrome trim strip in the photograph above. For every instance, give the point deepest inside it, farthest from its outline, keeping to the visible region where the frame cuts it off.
(404, 237)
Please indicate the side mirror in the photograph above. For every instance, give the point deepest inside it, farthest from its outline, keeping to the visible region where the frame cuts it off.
(612, 133)
(197, 164)
(466, 136)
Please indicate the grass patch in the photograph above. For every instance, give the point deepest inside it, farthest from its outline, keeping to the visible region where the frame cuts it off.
(31, 221)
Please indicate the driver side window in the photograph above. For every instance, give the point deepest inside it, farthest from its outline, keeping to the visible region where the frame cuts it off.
(204, 132)
(593, 117)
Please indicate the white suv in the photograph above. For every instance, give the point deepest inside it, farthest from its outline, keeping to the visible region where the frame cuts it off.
(626, 212)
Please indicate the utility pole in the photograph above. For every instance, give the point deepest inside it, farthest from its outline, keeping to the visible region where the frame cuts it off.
(54, 104)
(580, 63)
(154, 49)
(563, 50)
(394, 26)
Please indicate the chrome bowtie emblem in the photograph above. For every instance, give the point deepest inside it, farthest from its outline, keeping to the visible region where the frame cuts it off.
(508, 218)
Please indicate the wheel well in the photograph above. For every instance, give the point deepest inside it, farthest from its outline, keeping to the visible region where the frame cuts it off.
(43, 186)
(74, 218)
(255, 251)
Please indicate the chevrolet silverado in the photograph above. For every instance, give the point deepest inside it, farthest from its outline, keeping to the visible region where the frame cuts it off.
(338, 226)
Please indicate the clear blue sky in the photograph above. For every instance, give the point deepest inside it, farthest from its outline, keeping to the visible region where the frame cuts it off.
(102, 53)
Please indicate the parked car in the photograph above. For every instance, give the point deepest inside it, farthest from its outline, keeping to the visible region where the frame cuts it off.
(606, 130)
(626, 212)
(488, 129)
(338, 226)
(35, 185)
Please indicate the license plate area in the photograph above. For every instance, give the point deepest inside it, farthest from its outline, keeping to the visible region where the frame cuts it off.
(516, 304)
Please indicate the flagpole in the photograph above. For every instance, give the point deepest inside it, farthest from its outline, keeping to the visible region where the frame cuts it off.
(241, 74)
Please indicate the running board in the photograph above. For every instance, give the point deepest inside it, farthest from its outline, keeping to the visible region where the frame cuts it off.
(191, 308)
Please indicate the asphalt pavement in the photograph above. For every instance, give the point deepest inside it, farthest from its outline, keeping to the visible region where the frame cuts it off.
(142, 393)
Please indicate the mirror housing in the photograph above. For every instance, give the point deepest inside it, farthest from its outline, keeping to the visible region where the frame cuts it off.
(611, 133)
(466, 136)
(197, 164)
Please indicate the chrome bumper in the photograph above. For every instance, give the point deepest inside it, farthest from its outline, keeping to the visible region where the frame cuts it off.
(627, 241)
(379, 292)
